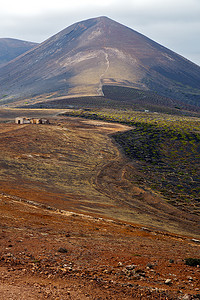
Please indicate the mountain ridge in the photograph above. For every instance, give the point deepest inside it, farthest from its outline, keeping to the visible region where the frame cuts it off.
(12, 48)
(83, 57)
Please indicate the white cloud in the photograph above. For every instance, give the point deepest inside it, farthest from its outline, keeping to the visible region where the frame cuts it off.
(24, 7)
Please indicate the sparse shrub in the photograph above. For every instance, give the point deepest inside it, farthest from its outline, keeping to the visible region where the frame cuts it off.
(168, 146)
(62, 250)
(193, 262)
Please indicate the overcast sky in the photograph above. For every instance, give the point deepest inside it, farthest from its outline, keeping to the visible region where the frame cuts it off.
(173, 23)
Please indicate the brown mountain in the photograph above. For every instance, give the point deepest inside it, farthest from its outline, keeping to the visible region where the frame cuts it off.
(11, 48)
(82, 58)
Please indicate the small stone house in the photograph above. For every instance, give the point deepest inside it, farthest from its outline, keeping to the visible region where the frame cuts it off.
(22, 120)
(35, 121)
(44, 121)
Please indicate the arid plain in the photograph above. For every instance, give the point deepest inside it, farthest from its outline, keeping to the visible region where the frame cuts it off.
(73, 226)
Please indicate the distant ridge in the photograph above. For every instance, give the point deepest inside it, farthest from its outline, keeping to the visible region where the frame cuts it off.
(12, 48)
(81, 59)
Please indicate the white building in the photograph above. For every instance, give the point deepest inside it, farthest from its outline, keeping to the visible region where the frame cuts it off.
(22, 120)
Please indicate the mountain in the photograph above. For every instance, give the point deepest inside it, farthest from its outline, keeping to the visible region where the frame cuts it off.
(11, 48)
(87, 55)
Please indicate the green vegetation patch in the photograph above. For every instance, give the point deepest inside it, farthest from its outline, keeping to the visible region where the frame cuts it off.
(165, 150)
(169, 161)
(193, 262)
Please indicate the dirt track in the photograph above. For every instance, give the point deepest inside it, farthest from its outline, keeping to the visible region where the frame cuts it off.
(148, 207)
(73, 167)
(73, 164)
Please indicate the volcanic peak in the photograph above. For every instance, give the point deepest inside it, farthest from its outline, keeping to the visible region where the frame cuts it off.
(82, 58)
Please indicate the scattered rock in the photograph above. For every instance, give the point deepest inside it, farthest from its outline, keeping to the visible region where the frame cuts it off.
(190, 278)
(130, 284)
(130, 267)
(196, 241)
(186, 297)
(168, 281)
(146, 229)
(8, 255)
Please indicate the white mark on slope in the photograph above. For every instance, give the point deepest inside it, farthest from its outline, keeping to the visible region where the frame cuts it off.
(107, 63)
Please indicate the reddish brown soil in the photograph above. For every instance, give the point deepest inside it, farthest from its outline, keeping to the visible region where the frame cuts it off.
(48, 251)
(94, 265)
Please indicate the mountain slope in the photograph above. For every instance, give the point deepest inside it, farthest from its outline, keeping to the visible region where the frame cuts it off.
(11, 48)
(85, 56)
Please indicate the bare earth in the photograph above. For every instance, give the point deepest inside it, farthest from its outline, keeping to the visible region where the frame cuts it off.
(72, 226)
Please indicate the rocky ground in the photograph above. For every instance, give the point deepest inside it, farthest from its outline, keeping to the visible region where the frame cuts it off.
(51, 254)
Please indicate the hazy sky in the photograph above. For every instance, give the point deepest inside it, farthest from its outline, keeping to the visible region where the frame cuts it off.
(173, 23)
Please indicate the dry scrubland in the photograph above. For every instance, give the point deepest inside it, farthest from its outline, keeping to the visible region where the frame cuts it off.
(164, 150)
(51, 173)
(75, 164)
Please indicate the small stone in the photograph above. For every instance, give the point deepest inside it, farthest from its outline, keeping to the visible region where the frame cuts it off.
(186, 297)
(8, 255)
(120, 264)
(196, 241)
(130, 267)
(168, 281)
(150, 266)
(130, 285)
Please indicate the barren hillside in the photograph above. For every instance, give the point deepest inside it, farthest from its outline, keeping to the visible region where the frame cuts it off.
(83, 57)
(12, 48)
